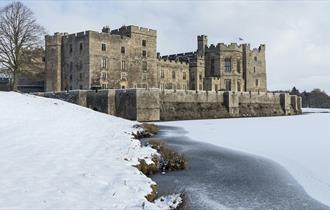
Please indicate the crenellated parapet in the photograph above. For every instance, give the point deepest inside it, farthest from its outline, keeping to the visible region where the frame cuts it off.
(177, 61)
(131, 29)
(230, 47)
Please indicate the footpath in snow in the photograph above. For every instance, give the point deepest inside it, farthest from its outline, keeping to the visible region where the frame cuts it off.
(56, 155)
(299, 143)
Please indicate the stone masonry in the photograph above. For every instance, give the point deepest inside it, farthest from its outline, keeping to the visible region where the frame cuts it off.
(119, 72)
(155, 104)
(127, 58)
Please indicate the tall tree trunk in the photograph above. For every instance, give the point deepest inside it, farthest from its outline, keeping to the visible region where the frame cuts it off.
(13, 82)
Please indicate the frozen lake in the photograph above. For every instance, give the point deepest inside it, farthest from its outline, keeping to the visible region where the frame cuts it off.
(219, 178)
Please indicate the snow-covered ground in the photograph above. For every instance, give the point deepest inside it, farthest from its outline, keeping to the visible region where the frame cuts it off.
(315, 110)
(299, 143)
(56, 155)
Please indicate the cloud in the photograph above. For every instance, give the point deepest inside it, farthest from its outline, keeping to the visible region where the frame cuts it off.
(295, 33)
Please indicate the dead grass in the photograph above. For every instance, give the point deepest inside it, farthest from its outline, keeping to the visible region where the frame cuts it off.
(170, 160)
(148, 169)
(151, 128)
(148, 131)
(154, 193)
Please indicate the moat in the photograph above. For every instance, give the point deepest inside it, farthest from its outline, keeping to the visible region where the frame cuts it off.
(219, 178)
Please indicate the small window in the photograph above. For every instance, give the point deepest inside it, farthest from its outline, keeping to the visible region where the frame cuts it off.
(144, 66)
(81, 46)
(173, 74)
(81, 76)
(122, 50)
(80, 87)
(70, 77)
(212, 67)
(80, 65)
(239, 85)
(238, 66)
(144, 76)
(70, 48)
(123, 76)
(200, 77)
(104, 47)
(254, 69)
(104, 75)
(255, 58)
(227, 65)
(123, 65)
(184, 77)
(227, 84)
(257, 83)
(104, 63)
(144, 53)
(216, 87)
(144, 43)
(162, 75)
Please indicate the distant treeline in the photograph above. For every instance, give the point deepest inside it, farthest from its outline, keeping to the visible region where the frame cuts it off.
(314, 99)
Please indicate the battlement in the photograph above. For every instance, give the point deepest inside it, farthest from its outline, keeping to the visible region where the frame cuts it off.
(201, 37)
(261, 48)
(128, 30)
(54, 39)
(180, 56)
(177, 61)
(231, 46)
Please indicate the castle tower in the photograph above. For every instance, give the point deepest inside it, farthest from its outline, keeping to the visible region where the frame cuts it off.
(201, 44)
(53, 62)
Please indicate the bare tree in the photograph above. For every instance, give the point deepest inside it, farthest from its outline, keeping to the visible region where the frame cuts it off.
(19, 33)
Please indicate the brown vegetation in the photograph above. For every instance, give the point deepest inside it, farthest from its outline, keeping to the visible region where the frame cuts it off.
(170, 160)
(148, 131)
(148, 169)
(153, 195)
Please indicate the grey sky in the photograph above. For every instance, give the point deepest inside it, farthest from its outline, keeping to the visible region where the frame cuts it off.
(296, 33)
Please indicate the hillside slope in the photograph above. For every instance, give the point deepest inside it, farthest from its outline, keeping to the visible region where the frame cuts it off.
(56, 155)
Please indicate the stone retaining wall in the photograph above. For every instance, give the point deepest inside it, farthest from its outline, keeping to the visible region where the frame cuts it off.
(156, 104)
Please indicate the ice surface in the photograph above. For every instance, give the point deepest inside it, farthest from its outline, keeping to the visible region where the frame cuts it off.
(299, 143)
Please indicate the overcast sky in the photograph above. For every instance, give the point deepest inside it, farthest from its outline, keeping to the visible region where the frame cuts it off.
(296, 34)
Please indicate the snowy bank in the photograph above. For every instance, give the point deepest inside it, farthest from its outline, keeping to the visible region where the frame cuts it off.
(315, 110)
(56, 155)
(299, 143)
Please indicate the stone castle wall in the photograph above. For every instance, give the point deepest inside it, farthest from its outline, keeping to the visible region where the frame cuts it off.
(155, 104)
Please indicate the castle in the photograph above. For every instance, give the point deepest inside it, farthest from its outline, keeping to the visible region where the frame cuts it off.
(127, 58)
(119, 72)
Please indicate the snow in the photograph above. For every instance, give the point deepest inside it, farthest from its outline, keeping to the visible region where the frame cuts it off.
(299, 143)
(169, 202)
(315, 110)
(56, 155)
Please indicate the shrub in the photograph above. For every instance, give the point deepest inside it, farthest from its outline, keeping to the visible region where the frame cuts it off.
(170, 160)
